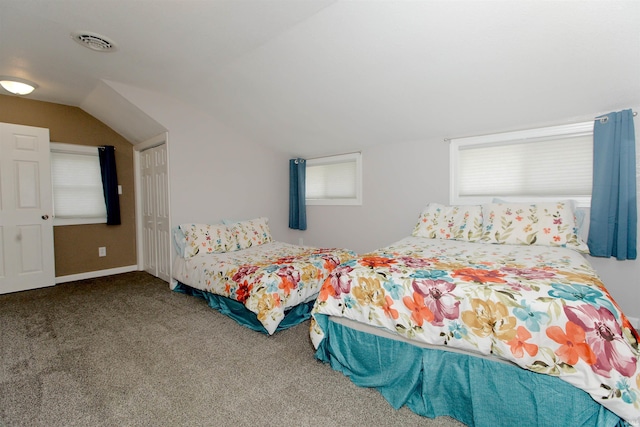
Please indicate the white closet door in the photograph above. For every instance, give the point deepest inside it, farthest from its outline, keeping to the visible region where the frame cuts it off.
(26, 209)
(163, 231)
(148, 211)
(155, 211)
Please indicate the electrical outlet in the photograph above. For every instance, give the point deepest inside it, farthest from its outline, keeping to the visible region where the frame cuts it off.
(102, 251)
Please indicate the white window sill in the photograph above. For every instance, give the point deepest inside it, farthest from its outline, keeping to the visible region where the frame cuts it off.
(78, 221)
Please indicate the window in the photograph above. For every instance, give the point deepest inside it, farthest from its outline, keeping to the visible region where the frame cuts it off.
(78, 197)
(533, 165)
(334, 180)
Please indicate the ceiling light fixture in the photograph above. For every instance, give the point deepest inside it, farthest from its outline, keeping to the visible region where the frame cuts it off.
(17, 86)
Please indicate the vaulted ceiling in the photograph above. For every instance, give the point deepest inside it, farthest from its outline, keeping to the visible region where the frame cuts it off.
(323, 76)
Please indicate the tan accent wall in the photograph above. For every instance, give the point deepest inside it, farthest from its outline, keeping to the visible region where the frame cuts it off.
(76, 246)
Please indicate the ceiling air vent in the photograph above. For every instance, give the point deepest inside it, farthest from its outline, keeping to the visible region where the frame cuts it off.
(94, 41)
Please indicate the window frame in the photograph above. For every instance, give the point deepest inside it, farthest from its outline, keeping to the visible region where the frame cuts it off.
(84, 150)
(508, 138)
(336, 159)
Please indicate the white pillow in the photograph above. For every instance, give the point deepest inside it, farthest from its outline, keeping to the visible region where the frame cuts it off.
(458, 222)
(544, 224)
(206, 239)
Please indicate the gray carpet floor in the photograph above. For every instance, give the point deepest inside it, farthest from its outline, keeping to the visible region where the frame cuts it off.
(124, 350)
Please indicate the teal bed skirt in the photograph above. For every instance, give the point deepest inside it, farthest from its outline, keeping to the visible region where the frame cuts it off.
(238, 312)
(474, 390)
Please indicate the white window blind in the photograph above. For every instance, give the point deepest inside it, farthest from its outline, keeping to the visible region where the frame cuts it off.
(539, 164)
(78, 197)
(334, 180)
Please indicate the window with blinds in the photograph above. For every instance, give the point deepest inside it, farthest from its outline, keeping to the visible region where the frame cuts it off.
(334, 180)
(78, 197)
(533, 165)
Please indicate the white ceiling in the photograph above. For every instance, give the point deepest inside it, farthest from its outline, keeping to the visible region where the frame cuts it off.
(321, 76)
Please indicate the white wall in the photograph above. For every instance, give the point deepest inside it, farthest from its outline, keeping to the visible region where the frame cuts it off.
(215, 174)
(398, 181)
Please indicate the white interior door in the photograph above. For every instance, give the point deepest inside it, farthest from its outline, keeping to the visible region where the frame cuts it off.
(26, 209)
(156, 233)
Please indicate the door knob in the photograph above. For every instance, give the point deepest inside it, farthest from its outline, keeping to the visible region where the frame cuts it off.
(45, 216)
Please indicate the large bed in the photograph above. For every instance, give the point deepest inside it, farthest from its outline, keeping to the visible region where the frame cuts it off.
(488, 314)
(240, 271)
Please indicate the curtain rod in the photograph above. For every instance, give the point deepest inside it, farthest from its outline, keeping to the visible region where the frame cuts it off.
(603, 118)
(335, 155)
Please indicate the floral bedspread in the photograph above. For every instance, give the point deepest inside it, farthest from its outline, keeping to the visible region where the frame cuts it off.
(543, 308)
(268, 279)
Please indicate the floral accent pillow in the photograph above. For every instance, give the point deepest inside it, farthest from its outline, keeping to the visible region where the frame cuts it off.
(460, 222)
(251, 233)
(543, 224)
(206, 239)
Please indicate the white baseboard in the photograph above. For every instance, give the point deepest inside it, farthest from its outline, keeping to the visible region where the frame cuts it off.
(94, 274)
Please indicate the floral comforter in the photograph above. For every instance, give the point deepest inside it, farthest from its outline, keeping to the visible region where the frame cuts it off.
(543, 308)
(268, 279)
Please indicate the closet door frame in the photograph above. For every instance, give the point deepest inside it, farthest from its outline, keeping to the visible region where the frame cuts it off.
(161, 139)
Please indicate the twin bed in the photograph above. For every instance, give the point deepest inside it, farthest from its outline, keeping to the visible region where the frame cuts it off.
(488, 314)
